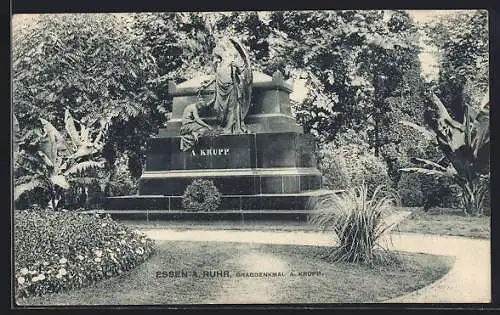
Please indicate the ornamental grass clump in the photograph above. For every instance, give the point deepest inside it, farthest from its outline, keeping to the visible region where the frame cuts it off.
(359, 224)
(58, 251)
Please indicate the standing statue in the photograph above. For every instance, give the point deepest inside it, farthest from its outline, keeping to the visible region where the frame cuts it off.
(233, 86)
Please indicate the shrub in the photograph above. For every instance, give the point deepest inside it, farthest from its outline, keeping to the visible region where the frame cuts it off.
(352, 165)
(487, 201)
(201, 196)
(118, 181)
(335, 172)
(58, 251)
(417, 190)
(358, 222)
(439, 191)
(373, 173)
(410, 190)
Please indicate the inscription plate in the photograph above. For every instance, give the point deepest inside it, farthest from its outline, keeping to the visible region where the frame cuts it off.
(221, 152)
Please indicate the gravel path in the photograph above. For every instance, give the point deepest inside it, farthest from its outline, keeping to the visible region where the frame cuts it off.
(252, 290)
(469, 280)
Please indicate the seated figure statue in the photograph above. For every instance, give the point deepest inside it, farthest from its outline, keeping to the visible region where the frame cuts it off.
(192, 126)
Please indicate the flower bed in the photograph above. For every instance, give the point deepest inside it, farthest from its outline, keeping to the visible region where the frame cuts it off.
(57, 251)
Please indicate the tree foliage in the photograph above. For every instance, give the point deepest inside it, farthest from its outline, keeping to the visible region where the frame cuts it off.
(361, 67)
(345, 56)
(93, 64)
(462, 42)
(53, 162)
(466, 148)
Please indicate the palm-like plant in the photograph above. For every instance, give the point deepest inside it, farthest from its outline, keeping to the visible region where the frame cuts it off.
(466, 148)
(55, 163)
(358, 222)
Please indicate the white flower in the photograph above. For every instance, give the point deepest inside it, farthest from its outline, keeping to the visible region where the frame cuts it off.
(97, 259)
(103, 225)
(41, 277)
(20, 280)
(33, 272)
(59, 276)
(139, 251)
(35, 279)
(143, 241)
(62, 272)
(24, 271)
(80, 257)
(45, 263)
(63, 260)
(98, 253)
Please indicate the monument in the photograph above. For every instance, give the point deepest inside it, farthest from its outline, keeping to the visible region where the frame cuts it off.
(235, 128)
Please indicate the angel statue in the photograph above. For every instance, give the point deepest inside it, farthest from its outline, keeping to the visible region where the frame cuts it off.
(233, 85)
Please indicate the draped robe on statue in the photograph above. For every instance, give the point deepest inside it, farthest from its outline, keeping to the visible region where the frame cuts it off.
(233, 78)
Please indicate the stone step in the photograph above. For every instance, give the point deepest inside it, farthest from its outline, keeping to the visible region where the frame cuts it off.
(295, 201)
(293, 215)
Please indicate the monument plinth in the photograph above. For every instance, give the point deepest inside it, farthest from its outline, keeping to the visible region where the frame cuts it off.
(265, 168)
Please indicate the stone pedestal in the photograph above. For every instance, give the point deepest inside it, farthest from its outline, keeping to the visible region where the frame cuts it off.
(267, 172)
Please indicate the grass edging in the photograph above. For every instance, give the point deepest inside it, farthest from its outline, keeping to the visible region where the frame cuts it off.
(141, 286)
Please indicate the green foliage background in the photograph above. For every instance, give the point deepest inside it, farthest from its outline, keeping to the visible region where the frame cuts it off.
(361, 68)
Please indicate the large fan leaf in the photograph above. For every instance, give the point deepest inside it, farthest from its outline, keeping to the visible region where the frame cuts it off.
(46, 159)
(485, 102)
(440, 108)
(23, 179)
(60, 181)
(84, 134)
(83, 166)
(102, 130)
(83, 151)
(83, 180)
(429, 163)
(69, 123)
(49, 143)
(425, 171)
(480, 132)
(25, 187)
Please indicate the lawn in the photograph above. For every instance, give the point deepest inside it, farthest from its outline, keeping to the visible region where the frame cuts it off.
(322, 282)
(441, 221)
(252, 225)
(445, 221)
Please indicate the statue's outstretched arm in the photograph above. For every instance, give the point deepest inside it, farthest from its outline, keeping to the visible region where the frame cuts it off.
(198, 119)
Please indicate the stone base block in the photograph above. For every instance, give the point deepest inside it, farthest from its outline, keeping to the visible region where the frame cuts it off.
(274, 202)
(158, 215)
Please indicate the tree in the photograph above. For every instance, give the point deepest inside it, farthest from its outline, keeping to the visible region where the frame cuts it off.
(180, 43)
(466, 147)
(54, 163)
(462, 43)
(345, 55)
(95, 65)
(91, 63)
